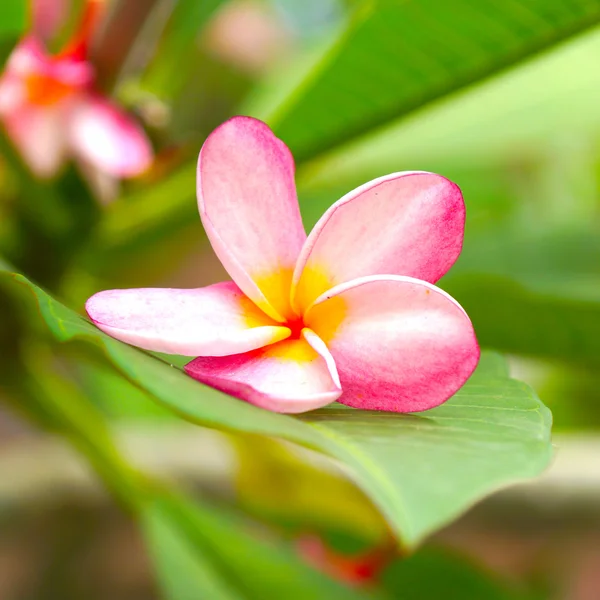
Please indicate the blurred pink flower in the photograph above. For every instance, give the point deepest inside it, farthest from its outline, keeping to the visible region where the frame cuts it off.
(51, 111)
(347, 313)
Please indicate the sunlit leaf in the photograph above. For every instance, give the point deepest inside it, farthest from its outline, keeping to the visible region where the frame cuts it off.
(420, 470)
(394, 57)
(518, 116)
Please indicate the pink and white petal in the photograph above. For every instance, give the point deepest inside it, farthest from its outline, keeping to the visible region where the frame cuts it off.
(249, 208)
(292, 376)
(400, 344)
(38, 134)
(28, 56)
(108, 138)
(409, 223)
(213, 321)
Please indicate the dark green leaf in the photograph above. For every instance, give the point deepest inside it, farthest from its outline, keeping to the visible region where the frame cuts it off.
(432, 574)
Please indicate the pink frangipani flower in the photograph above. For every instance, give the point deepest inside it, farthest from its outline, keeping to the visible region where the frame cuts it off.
(52, 112)
(348, 313)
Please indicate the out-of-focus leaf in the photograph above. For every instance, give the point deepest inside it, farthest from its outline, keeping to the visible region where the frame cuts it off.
(511, 317)
(274, 483)
(184, 572)
(141, 235)
(420, 470)
(179, 40)
(138, 219)
(432, 574)
(526, 113)
(201, 552)
(13, 17)
(114, 396)
(571, 391)
(394, 57)
(49, 394)
(532, 291)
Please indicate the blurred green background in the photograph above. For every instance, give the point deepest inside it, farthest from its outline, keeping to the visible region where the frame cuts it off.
(501, 97)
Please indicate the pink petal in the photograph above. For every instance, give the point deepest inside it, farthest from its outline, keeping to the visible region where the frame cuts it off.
(48, 16)
(108, 138)
(248, 205)
(399, 344)
(38, 133)
(28, 56)
(292, 376)
(407, 223)
(211, 321)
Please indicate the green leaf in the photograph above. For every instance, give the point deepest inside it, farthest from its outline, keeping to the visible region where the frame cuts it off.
(115, 397)
(533, 291)
(432, 574)
(187, 20)
(141, 223)
(202, 552)
(421, 471)
(184, 572)
(13, 17)
(516, 116)
(516, 318)
(394, 57)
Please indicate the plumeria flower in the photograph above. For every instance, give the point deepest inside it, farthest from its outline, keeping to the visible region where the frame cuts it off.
(52, 112)
(348, 313)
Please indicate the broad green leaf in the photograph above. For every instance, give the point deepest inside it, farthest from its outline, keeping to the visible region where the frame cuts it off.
(202, 552)
(421, 470)
(13, 17)
(524, 114)
(394, 57)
